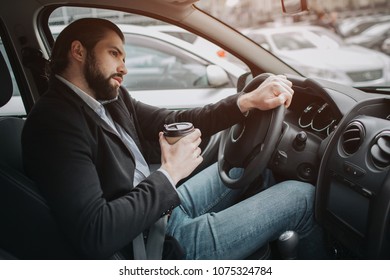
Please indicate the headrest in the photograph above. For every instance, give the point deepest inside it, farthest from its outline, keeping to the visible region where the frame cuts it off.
(6, 87)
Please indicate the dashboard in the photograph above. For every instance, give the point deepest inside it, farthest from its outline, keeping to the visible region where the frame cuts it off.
(353, 189)
(338, 138)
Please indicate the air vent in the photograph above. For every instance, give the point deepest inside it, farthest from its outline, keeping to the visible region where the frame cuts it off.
(380, 151)
(352, 137)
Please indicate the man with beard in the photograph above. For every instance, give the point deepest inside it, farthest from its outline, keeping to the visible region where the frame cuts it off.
(83, 146)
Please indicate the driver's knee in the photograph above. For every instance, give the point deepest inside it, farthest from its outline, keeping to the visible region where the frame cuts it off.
(298, 189)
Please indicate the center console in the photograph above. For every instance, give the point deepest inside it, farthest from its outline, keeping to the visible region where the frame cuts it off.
(353, 188)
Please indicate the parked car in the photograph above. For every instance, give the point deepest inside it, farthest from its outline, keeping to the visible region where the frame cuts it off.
(375, 37)
(356, 25)
(334, 135)
(189, 37)
(198, 42)
(316, 52)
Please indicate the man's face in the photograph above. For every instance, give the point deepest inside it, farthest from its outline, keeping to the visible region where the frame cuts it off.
(104, 67)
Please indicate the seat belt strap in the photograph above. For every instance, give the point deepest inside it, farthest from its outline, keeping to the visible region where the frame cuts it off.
(155, 244)
(139, 251)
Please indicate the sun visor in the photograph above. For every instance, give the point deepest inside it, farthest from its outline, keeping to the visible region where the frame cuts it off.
(6, 88)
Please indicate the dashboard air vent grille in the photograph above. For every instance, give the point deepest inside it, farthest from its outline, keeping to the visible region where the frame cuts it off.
(380, 150)
(352, 137)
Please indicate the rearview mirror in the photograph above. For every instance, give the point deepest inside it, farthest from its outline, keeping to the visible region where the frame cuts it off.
(294, 6)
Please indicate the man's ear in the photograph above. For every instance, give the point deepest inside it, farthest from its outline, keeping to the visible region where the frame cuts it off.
(77, 51)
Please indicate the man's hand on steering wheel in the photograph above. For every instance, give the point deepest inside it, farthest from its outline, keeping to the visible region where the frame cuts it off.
(273, 92)
(250, 144)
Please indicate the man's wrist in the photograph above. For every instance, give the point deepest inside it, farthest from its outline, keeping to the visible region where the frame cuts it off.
(243, 104)
(163, 171)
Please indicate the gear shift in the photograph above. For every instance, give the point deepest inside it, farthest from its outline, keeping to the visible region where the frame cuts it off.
(288, 245)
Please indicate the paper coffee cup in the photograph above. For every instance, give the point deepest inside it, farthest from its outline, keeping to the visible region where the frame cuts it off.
(174, 131)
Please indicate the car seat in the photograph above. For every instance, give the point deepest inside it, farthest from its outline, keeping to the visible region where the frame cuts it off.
(28, 230)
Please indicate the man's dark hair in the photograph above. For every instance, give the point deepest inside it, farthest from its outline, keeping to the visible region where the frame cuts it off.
(89, 31)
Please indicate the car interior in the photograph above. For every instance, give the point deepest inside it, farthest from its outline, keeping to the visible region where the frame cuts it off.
(334, 136)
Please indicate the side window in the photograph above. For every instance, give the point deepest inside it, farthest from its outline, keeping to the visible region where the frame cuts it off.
(155, 64)
(159, 55)
(167, 66)
(15, 106)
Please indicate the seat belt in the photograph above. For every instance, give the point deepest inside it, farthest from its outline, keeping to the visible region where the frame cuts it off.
(155, 244)
(139, 251)
(156, 237)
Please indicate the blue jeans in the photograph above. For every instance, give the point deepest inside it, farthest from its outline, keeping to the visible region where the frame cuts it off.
(211, 223)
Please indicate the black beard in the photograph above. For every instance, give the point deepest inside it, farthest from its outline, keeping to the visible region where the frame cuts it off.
(101, 85)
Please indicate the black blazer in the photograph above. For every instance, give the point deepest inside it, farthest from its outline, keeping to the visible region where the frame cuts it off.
(86, 172)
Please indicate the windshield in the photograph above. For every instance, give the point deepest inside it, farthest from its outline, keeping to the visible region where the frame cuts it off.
(343, 41)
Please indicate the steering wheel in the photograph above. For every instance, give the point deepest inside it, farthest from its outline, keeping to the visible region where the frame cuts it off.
(251, 143)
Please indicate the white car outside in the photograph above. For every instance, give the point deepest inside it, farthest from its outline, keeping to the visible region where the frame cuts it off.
(317, 52)
(371, 34)
(191, 38)
(198, 42)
